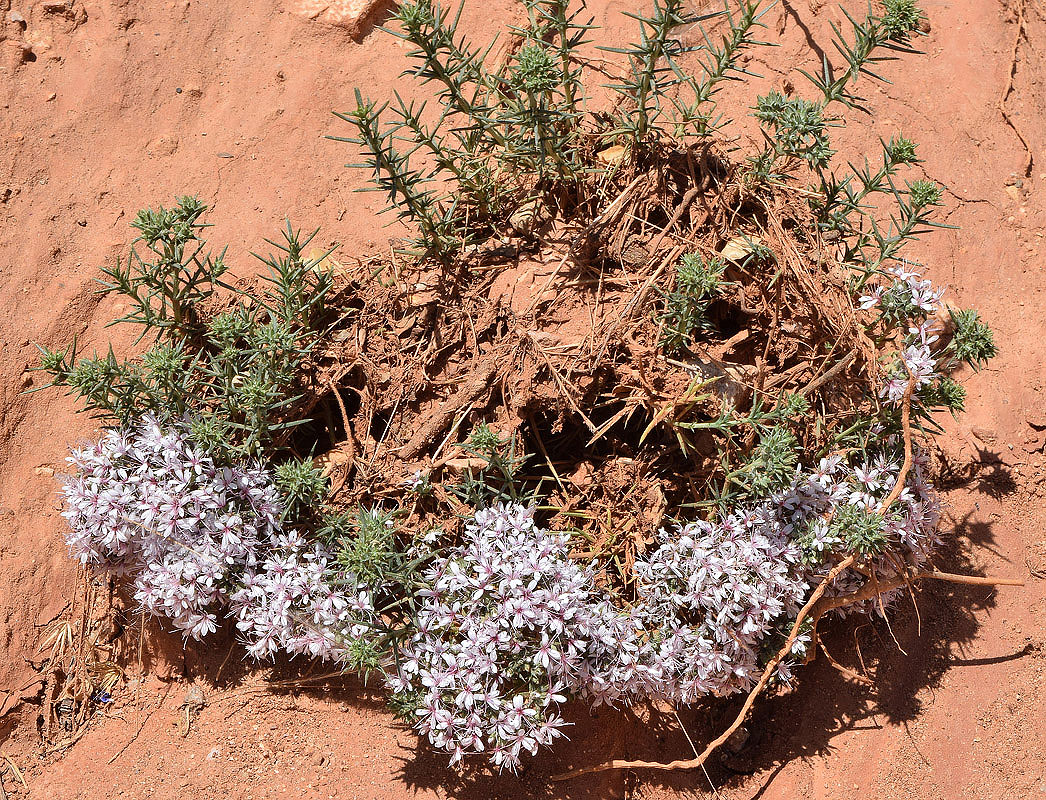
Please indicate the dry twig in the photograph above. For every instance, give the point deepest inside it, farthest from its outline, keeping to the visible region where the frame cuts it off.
(474, 386)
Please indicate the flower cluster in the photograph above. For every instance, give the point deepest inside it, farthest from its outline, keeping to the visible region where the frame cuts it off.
(200, 539)
(837, 509)
(506, 626)
(509, 626)
(909, 294)
(499, 636)
(149, 503)
(911, 302)
(295, 601)
(921, 364)
(707, 599)
(713, 593)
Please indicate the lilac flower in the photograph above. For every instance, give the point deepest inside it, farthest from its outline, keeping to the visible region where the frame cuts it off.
(493, 632)
(873, 298)
(148, 503)
(202, 541)
(506, 626)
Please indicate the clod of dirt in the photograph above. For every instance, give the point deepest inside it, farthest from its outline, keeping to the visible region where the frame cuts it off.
(1037, 420)
(71, 10)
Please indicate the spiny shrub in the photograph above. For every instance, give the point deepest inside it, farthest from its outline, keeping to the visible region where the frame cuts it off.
(511, 135)
(515, 133)
(482, 631)
(232, 373)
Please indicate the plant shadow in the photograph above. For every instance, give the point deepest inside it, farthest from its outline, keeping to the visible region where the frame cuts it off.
(905, 655)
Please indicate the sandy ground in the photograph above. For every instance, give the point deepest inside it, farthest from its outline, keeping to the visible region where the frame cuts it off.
(112, 105)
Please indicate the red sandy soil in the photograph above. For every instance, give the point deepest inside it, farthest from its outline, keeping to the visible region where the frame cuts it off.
(118, 105)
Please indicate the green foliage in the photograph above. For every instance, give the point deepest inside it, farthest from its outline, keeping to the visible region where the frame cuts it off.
(863, 531)
(167, 283)
(945, 393)
(796, 133)
(896, 306)
(751, 471)
(771, 463)
(405, 705)
(552, 23)
(232, 373)
(901, 19)
(973, 341)
(513, 137)
(535, 70)
(697, 282)
(497, 480)
(900, 151)
(501, 135)
(297, 290)
(719, 63)
(364, 655)
(655, 74)
(485, 441)
(923, 193)
(859, 530)
(653, 70)
(367, 548)
(509, 136)
(792, 406)
(302, 484)
(798, 130)
(698, 277)
(890, 31)
(394, 175)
